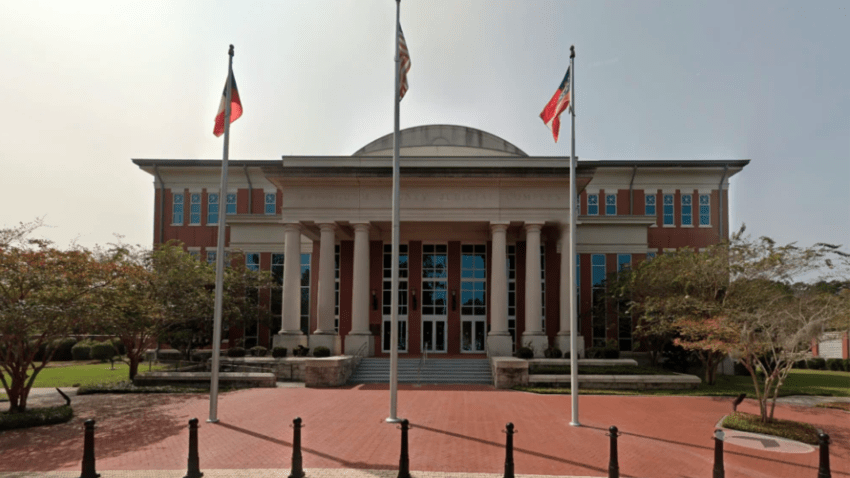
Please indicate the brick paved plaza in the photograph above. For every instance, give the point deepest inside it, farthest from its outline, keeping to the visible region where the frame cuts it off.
(455, 430)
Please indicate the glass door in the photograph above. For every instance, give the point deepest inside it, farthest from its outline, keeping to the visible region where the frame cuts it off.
(473, 298)
(434, 297)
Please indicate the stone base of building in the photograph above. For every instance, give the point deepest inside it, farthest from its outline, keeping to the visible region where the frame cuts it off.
(563, 342)
(321, 339)
(354, 342)
(290, 341)
(499, 345)
(538, 341)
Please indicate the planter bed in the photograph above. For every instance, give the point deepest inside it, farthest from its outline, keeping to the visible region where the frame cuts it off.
(195, 379)
(621, 382)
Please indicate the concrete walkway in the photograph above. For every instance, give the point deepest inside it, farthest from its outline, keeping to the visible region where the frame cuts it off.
(457, 432)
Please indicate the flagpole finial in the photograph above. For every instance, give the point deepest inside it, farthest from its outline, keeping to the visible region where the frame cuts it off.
(230, 52)
(572, 51)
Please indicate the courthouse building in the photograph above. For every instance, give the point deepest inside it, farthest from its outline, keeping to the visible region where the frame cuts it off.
(484, 237)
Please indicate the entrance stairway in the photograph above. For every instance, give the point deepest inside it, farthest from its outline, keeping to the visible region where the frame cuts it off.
(440, 371)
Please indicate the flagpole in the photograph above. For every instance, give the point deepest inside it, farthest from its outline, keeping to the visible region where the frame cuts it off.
(573, 316)
(393, 418)
(219, 254)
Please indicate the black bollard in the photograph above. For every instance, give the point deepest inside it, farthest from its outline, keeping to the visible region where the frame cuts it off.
(194, 470)
(404, 460)
(509, 450)
(88, 451)
(613, 462)
(718, 455)
(823, 467)
(297, 469)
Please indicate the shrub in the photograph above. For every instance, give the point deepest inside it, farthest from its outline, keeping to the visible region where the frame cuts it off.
(847, 365)
(525, 353)
(321, 351)
(102, 351)
(63, 348)
(81, 350)
(676, 358)
(552, 352)
(740, 370)
(36, 417)
(300, 351)
(800, 364)
(201, 355)
(279, 352)
(817, 363)
(236, 352)
(834, 364)
(258, 351)
(119, 346)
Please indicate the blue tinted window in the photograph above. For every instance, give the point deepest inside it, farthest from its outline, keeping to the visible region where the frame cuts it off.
(687, 210)
(252, 261)
(668, 210)
(212, 208)
(704, 209)
(195, 208)
(598, 268)
(231, 203)
(624, 261)
(270, 203)
(177, 210)
(592, 204)
(649, 204)
(610, 204)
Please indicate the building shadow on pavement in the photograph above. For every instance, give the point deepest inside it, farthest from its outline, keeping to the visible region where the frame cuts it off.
(276, 441)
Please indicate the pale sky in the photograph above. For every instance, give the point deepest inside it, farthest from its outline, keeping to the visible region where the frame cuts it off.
(89, 85)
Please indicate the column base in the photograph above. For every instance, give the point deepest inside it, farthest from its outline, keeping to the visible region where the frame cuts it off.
(537, 341)
(564, 344)
(354, 341)
(290, 340)
(323, 339)
(499, 345)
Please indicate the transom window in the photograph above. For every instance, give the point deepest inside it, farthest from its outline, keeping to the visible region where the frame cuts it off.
(610, 204)
(704, 209)
(195, 209)
(177, 210)
(212, 208)
(592, 204)
(649, 204)
(252, 261)
(668, 210)
(687, 210)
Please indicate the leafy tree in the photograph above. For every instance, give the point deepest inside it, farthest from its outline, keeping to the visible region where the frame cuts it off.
(45, 294)
(740, 298)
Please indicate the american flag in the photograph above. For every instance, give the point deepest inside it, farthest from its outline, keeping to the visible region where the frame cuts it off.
(404, 64)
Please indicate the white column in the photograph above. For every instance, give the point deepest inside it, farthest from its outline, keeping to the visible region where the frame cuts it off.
(327, 293)
(566, 296)
(360, 334)
(292, 280)
(499, 339)
(533, 331)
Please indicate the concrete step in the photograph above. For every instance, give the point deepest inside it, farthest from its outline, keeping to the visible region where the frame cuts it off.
(448, 371)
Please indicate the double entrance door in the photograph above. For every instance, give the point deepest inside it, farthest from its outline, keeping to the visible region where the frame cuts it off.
(437, 298)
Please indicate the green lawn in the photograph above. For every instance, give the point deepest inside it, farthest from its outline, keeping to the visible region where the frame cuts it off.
(86, 373)
(799, 382)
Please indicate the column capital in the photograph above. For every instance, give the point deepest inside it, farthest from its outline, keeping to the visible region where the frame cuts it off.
(533, 226)
(327, 226)
(292, 226)
(498, 226)
(361, 226)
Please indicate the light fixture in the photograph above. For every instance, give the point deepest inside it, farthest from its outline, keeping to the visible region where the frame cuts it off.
(454, 300)
(413, 292)
(374, 300)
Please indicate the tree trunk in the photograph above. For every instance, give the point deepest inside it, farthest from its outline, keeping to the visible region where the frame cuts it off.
(134, 366)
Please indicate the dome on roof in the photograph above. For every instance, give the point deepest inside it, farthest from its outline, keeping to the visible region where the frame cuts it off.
(442, 140)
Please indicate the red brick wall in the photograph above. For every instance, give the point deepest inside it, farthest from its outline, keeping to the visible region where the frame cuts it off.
(453, 283)
(414, 317)
(376, 267)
